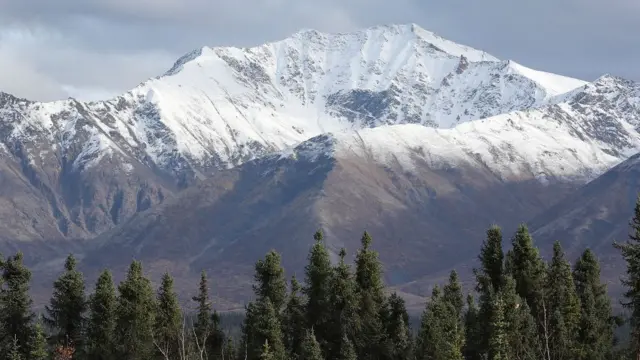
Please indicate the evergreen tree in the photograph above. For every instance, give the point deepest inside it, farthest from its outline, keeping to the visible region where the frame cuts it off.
(168, 321)
(265, 353)
(202, 327)
(520, 327)
(14, 350)
(399, 346)
(528, 269)
(453, 294)
(595, 334)
(100, 343)
(489, 280)
(564, 307)
(347, 352)
(38, 346)
(270, 281)
(135, 315)
(440, 335)
(473, 332)
(261, 325)
(631, 253)
(65, 312)
(310, 349)
(318, 274)
(498, 346)
(15, 313)
(344, 303)
(216, 341)
(294, 320)
(370, 290)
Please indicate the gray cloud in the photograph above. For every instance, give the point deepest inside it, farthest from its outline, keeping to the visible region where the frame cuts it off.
(94, 48)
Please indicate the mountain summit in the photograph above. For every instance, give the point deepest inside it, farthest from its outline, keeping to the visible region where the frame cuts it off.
(433, 123)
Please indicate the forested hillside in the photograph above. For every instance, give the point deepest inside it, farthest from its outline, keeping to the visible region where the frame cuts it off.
(522, 307)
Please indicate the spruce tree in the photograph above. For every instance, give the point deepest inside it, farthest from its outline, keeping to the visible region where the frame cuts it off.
(15, 315)
(347, 351)
(473, 332)
(318, 274)
(168, 321)
(294, 320)
(563, 307)
(344, 306)
(203, 326)
(100, 342)
(527, 269)
(270, 281)
(261, 325)
(265, 352)
(310, 349)
(398, 333)
(440, 335)
(15, 351)
(38, 346)
(370, 290)
(520, 327)
(216, 341)
(452, 293)
(497, 345)
(66, 310)
(595, 334)
(631, 253)
(135, 315)
(489, 280)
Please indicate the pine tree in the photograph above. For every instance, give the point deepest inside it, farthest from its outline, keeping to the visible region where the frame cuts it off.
(100, 343)
(595, 334)
(310, 349)
(203, 326)
(135, 316)
(294, 320)
(65, 312)
(371, 299)
(528, 269)
(564, 307)
(38, 345)
(473, 332)
(168, 321)
(15, 315)
(270, 281)
(631, 253)
(318, 274)
(344, 303)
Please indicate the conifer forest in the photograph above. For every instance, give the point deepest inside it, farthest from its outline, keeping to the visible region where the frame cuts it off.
(521, 308)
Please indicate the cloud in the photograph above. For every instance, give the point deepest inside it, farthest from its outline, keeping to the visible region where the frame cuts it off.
(97, 47)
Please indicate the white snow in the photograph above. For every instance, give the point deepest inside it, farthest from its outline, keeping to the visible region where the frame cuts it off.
(229, 105)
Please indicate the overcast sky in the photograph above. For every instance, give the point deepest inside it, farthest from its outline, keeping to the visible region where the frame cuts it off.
(90, 49)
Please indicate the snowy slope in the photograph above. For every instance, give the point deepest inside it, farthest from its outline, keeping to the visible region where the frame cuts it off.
(219, 107)
(574, 140)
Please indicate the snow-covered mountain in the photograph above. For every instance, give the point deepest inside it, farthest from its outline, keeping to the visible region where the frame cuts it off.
(97, 163)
